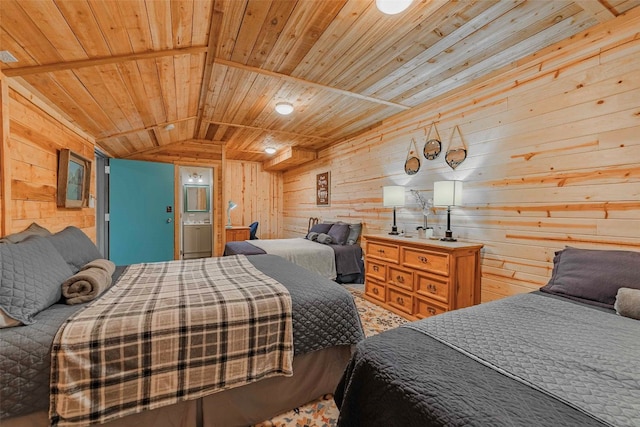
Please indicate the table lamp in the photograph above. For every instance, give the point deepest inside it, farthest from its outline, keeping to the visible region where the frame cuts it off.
(393, 196)
(447, 193)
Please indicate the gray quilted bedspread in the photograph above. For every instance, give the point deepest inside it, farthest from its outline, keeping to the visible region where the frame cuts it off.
(324, 315)
(583, 357)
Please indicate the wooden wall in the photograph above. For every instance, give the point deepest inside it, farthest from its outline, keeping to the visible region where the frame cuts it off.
(33, 134)
(554, 160)
(258, 194)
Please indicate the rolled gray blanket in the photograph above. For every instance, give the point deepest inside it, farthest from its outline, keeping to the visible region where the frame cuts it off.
(89, 283)
(628, 303)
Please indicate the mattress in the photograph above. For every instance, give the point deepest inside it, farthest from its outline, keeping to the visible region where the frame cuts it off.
(324, 315)
(522, 361)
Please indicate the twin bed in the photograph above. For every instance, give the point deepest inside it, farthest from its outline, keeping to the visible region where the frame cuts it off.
(565, 355)
(131, 377)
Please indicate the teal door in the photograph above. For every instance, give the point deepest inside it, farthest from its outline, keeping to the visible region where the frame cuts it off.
(140, 211)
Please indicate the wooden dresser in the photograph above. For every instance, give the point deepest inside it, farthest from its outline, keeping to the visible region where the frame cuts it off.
(234, 234)
(418, 278)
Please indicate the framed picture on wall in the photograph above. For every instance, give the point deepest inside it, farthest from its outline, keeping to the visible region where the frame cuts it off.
(322, 189)
(74, 180)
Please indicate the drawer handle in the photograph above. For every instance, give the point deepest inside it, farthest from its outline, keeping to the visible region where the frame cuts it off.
(400, 279)
(423, 259)
(400, 300)
(431, 310)
(381, 251)
(375, 291)
(375, 268)
(432, 288)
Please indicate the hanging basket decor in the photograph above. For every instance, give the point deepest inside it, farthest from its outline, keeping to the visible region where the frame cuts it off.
(455, 156)
(412, 163)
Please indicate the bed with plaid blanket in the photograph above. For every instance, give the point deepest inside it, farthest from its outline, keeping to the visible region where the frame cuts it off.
(174, 331)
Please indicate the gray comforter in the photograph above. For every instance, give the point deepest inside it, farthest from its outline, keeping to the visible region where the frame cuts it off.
(526, 360)
(324, 315)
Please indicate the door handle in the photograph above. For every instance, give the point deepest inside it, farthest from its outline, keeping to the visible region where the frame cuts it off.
(169, 220)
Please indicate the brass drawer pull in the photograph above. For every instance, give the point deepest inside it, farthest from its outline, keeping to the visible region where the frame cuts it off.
(423, 259)
(375, 268)
(400, 279)
(375, 291)
(381, 251)
(432, 288)
(431, 310)
(400, 300)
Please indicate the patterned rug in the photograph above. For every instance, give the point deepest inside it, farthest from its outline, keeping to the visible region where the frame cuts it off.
(323, 412)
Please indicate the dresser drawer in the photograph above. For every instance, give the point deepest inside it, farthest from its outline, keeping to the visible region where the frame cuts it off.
(388, 252)
(375, 290)
(400, 300)
(431, 286)
(400, 278)
(427, 308)
(426, 260)
(377, 270)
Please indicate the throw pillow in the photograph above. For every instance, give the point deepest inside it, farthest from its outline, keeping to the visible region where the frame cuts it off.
(339, 233)
(31, 277)
(32, 230)
(75, 247)
(321, 228)
(313, 236)
(593, 276)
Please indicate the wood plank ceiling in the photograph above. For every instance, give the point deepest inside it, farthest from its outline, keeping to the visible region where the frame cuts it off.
(214, 69)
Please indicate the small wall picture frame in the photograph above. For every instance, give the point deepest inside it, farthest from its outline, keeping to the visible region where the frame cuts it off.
(323, 189)
(74, 180)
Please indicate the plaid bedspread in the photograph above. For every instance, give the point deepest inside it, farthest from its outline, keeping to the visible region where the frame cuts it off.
(168, 332)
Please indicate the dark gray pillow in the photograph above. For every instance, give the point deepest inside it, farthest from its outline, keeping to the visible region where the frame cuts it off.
(31, 277)
(324, 238)
(339, 233)
(313, 236)
(321, 228)
(75, 247)
(32, 230)
(593, 276)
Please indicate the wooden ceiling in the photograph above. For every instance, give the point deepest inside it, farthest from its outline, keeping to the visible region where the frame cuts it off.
(123, 70)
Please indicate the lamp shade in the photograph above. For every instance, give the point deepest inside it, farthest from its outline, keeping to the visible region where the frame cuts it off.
(393, 195)
(447, 193)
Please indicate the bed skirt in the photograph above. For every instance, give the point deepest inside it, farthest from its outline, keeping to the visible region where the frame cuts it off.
(314, 374)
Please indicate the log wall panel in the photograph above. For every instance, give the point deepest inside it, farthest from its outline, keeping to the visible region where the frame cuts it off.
(35, 138)
(553, 153)
(258, 194)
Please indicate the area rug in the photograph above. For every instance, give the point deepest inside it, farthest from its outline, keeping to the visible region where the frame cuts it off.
(323, 412)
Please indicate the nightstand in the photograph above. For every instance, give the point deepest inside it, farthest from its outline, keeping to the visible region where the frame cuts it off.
(237, 233)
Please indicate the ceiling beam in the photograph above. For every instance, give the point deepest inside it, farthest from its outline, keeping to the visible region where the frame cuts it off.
(266, 130)
(153, 150)
(49, 68)
(599, 10)
(309, 83)
(152, 127)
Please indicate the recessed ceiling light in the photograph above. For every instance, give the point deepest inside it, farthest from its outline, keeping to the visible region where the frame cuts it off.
(284, 108)
(269, 150)
(392, 7)
(170, 126)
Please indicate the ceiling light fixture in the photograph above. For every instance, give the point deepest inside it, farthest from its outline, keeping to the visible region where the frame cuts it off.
(392, 7)
(269, 150)
(170, 126)
(284, 108)
(7, 57)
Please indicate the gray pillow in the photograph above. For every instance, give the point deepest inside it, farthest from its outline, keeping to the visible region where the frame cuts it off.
(75, 247)
(31, 276)
(354, 232)
(32, 230)
(321, 228)
(324, 238)
(339, 233)
(313, 236)
(593, 276)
